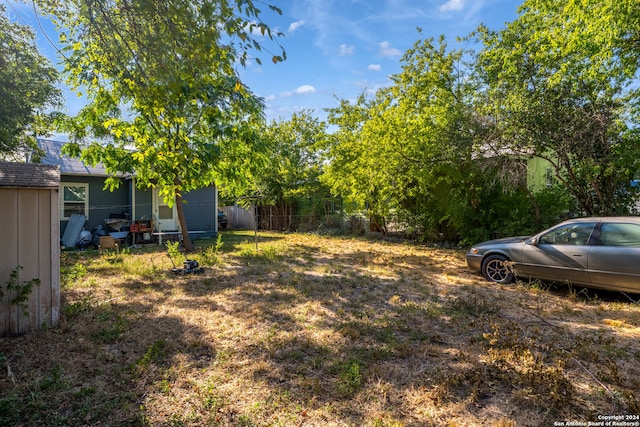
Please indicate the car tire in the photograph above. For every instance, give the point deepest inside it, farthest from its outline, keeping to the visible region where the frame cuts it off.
(495, 270)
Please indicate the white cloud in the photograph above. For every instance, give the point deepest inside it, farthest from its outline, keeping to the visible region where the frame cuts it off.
(452, 5)
(295, 25)
(302, 90)
(329, 25)
(346, 50)
(305, 90)
(387, 51)
(375, 67)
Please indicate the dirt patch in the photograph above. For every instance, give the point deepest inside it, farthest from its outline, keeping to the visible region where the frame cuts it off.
(318, 331)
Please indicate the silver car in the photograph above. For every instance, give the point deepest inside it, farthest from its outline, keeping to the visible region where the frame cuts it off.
(595, 252)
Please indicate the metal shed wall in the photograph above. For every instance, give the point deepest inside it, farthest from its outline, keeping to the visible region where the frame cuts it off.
(29, 228)
(201, 210)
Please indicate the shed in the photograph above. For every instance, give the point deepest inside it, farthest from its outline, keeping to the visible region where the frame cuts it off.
(30, 247)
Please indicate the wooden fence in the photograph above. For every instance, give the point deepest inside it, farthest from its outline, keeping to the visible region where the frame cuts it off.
(239, 218)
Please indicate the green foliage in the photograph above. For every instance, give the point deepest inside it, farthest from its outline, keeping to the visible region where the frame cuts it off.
(19, 292)
(409, 151)
(444, 150)
(350, 377)
(218, 246)
(70, 274)
(156, 354)
(558, 82)
(289, 181)
(173, 249)
(268, 254)
(27, 89)
(111, 332)
(211, 254)
(510, 214)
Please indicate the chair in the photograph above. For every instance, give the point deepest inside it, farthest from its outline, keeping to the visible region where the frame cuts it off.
(108, 242)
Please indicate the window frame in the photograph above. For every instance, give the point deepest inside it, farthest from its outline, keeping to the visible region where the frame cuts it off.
(563, 234)
(63, 202)
(549, 179)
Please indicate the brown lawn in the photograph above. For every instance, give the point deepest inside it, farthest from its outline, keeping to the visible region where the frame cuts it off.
(318, 331)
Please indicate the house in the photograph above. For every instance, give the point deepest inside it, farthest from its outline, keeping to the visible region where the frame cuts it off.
(82, 191)
(540, 174)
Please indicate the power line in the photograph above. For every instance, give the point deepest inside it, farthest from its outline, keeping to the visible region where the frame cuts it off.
(35, 12)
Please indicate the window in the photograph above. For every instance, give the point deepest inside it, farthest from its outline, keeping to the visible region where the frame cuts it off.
(627, 235)
(548, 177)
(569, 234)
(74, 198)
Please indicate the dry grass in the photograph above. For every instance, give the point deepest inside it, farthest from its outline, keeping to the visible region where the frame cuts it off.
(318, 331)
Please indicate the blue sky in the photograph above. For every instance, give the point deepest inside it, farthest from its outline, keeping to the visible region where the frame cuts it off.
(336, 49)
(340, 48)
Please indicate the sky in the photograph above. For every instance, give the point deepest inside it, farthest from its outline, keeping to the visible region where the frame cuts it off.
(336, 49)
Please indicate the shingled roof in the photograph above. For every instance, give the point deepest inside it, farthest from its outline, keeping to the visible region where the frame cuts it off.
(29, 175)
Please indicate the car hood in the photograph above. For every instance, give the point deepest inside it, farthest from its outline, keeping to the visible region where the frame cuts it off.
(517, 239)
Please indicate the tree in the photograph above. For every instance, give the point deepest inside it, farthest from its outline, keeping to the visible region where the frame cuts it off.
(558, 82)
(349, 166)
(165, 99)
(410, 149)
(289, 179)
(27, 90)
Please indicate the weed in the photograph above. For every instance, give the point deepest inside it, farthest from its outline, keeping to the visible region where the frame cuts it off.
(141, 267)
(53, 379)
(84, 391)
(213, 403)
(70, 274)
(173, 249)
(349, 377)
(537, 285)
(112, 331)
(10, 409)
(472, 304)
(267, 254)
(211, 254)
(83, 304)
(156, 354)
(19, 291)
(218, 245)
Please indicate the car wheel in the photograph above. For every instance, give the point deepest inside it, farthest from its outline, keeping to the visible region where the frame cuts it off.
(495, 270)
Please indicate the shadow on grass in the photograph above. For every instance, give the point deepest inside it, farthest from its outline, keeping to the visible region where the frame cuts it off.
(329, 331)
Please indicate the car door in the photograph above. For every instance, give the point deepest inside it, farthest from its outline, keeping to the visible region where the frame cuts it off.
(614, 262)
(560, 254)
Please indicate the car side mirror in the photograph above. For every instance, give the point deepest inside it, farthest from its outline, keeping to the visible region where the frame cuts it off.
(532, 241)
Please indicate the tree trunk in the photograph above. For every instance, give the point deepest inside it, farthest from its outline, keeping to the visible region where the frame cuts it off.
(186, 241)
(534, 202)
